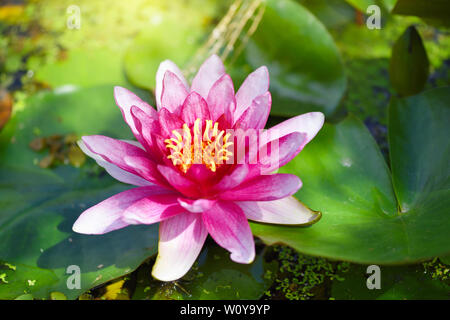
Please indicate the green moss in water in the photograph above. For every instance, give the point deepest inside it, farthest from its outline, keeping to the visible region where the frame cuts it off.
(437, 270)
(302, 277)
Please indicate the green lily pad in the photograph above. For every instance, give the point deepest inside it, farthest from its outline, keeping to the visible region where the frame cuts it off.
(39, 206)
(306, 70)
(445, 259)
(82, 67)
(214, 277)
(435, 12)
(151, 47)
(23, 279)
(397, 283)
(332, 13)
(362, 5)
(25, 297)
(64, 111)
(369, 215)
(176, 35)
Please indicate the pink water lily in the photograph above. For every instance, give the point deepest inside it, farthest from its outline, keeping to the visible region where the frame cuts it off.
(191, 175)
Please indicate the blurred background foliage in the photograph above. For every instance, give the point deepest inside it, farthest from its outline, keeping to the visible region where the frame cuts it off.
(56, 85)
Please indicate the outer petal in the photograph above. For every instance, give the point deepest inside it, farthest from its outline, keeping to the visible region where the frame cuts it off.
(113, 170)
(277, 153)
(257, 114)
(107, 215)
(228, 226)
(166, 65)
(209, 72)
(115, 152)
(264, 188)
(181, 239)
(152, 209)
(256, 84)
(308, 124)
(283, 211)
(173, 93)
(146, 168)
(221, 100)
(125, 99)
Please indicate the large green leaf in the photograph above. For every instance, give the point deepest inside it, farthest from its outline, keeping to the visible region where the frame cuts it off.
(38, 211)
(215, 277)
(82, 67)
(397, 283)
(65, 110)
(151, 47)
(306, 71)
(432, 11)
(332, 13)
(367, 218)
(362, 5)
(39, 206)
(176, 35)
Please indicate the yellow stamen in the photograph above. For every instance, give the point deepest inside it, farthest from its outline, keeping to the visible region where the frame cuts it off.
(187, 149)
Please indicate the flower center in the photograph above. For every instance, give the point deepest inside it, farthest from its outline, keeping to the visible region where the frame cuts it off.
(194, 146)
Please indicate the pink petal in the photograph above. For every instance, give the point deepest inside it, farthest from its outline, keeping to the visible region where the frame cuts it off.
(257, 114)
(277, 153)
(196, 206)
(115, 151)
(147, 128)
(256, 84)
(181, 239)
(125, 99)
(228, 226)
(283, 211)
(308, 124)
(264, 188)
(234, 178)
(169, 122)
(221, 100)
(113, 170)
(106, 216)
(246, 144)
(146, 168)
(194, 107)
(200, 174)
(152, 209)
(209, 72)
(179, 182)
(166, 65)
(173, 93)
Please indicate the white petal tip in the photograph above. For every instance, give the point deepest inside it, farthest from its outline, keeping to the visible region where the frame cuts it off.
(240, 259)
(78, 228)
(166, 275)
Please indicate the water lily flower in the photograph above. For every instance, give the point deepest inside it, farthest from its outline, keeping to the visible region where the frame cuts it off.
(190, 175)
